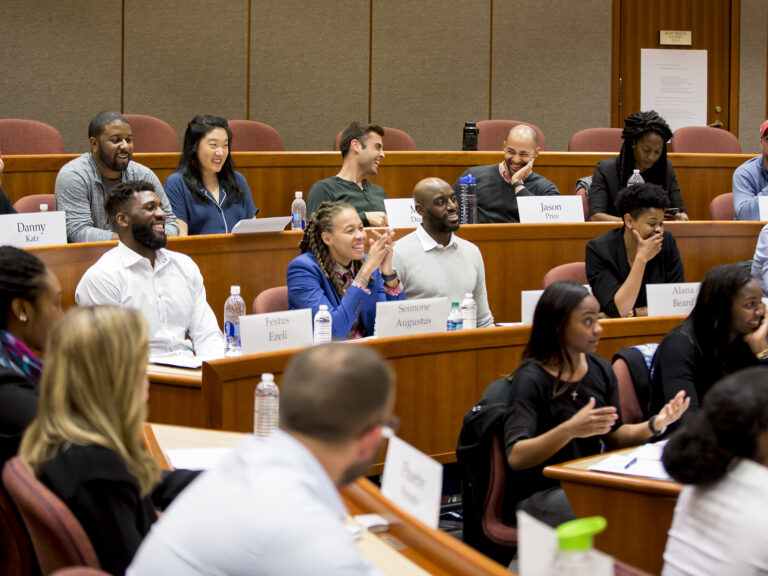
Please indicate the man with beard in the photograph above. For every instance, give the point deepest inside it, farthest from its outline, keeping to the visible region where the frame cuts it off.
(273, 507)
(83, 183)
(140, 273)
(432, 261)
(362, 150)
(499, 185)
(750, 181)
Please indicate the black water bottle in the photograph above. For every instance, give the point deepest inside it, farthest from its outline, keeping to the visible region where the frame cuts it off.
(469, 139)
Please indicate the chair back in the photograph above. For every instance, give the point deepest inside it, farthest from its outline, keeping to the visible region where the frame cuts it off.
(596, 140)
(152, 134)
(704, 140)
(31, 203)
(16, 554)
(629, 406)
(632, 366)
(393, 139)
(58, 538)
(721, 207)
(19, 136)
(573, 271)
(271, 300)
(252, 136)
(493, 524)
(490, 137)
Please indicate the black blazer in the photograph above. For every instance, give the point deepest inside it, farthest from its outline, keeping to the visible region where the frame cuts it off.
(18, 407)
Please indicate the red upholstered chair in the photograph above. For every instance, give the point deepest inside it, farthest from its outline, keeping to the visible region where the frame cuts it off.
(271, 300)
(596, 140)
(252, 136)
(582, 192)
(631, 413)
(721, 207)
(490, 137)
(393, 139)
(152, 134)
(58, 538)
(19, 136)
(704, 140)
(31, 203)
(493, 524)
(16, 554)
(573, 271)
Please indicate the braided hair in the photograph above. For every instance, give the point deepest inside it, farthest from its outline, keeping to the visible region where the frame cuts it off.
(312, 240)
(22, 275)
(635, 126)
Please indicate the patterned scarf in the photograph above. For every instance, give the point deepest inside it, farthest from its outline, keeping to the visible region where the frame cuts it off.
(17, 357)
(346, 276)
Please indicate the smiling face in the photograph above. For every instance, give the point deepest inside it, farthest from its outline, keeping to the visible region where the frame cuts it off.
(437, 206)
(647, 150)
(370, 153)
(582, 331)
(346, 239)
(519, 149)
(649, 222)
(147, 220)
(112, 149)
(747, 309)
(212, 151)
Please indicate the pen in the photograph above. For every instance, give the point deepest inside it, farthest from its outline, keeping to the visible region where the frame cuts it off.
(630, 462)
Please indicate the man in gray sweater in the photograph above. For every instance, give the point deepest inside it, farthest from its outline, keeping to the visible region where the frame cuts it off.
(433, 261)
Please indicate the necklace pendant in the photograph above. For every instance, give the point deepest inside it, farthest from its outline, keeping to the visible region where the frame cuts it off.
(574, 395)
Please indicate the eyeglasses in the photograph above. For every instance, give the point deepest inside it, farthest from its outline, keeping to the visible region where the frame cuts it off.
(390, 427)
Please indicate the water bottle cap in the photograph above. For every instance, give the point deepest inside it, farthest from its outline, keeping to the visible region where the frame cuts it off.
(268, 377)
(234, 290)
(578, 534)
(323, 307)
(298, 194)
(471, 179)
(43, 207)
(635, 171)
(454, 303)
(470, 125)
(469, 295)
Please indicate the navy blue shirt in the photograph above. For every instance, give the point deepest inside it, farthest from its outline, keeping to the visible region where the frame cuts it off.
(208, 218)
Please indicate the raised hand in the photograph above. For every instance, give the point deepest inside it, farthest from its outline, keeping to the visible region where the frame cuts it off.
(591, 421)
(672, 410)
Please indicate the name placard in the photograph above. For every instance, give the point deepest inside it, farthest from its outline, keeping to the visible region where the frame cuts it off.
(276, 331)
(543, 209)
(405, 317)
(671, 299)
(762, 204)
(401, 213)
(413, 481)
(259, 225)
(528, 301)
(33, 229)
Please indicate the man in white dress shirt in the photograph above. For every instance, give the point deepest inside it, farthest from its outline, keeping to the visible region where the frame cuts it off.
(140, 273)
(273, 507)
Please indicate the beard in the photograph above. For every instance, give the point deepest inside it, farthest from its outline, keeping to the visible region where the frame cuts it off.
(357, 469)
(111, 161)
(143, 234)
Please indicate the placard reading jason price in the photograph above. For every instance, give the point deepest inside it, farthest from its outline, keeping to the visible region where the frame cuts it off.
(33, 229)
(543, 209)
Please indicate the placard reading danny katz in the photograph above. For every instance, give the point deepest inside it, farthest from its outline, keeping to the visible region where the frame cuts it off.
(401, 213)
(543, 209)
(276, 331)
(404, 317)
(33, 229)
(671, 299)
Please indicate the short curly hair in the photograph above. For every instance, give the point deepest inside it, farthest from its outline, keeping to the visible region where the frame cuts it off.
(633, 200)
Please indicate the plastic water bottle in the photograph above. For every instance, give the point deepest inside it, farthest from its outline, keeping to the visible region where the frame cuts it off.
(469, 137)
(298, 213)
(635, 178)
(454, 318)
(234, 307)
(468, 311)
(43, 207)
(467, 200)
(323, 325)
(575, 555)
(266, 405)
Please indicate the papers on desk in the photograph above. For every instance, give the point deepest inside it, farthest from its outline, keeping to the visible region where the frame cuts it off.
(644, 461)
(256, 225)
(196, 458)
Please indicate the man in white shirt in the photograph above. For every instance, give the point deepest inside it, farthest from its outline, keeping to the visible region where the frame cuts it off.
(433, 261)
(140, 273)
(273, 507)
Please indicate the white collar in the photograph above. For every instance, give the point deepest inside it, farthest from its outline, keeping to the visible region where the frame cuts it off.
(429, 243)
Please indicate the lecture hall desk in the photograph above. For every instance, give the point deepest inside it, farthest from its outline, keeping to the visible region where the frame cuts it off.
(274, 176)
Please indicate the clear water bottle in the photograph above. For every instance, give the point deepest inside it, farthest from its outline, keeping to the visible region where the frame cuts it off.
(635, 178)
(234, 307)
(323, 325)
(575, 555)
(468, 311)
(266, 406)
(298, 213)
(43, 207)
(467, 200)
(469, 137)
(454, 318)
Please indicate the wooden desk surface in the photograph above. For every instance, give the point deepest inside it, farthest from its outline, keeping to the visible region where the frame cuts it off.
(639, 510)
(430, 550)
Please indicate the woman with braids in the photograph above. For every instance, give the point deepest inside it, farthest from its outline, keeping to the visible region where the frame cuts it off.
(333, 270)
(206, 194)
(30, 304)
(721, 454)
(645, 137)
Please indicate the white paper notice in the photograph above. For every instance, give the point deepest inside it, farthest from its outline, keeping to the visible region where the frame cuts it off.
(401, 213)
(674, 83)
(413, 481)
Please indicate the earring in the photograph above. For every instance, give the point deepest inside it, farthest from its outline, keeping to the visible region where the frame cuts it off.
(22, 317)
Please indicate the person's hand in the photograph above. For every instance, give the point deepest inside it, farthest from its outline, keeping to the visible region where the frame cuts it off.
(380, 251)
(524, 172)
(672, 410)
(681, 216)
(591, 421)
(757, 339)
(377, 218)
(648, 248)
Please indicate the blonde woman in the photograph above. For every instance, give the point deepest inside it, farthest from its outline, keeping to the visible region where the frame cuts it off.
(85, 443)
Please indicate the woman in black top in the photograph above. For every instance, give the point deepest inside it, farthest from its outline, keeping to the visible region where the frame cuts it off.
(563, 401)
(621, 262)
(85, 443)
(725, 332)
(645, 136)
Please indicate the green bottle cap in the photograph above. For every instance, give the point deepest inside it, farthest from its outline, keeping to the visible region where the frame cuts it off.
(578, 534)
(454, 304)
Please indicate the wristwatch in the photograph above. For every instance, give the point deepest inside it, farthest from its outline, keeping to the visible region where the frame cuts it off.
(389, 277)
(514, 185)
(651, 421)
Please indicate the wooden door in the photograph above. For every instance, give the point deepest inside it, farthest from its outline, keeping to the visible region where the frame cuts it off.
(715, 28)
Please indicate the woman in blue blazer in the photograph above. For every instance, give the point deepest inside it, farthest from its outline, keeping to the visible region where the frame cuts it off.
(333, 270)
